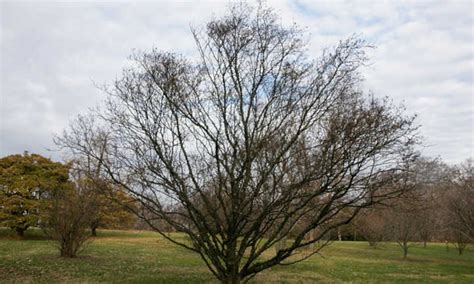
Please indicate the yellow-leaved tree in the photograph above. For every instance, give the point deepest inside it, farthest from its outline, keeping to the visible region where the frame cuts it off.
(26, 184)
(109, 206)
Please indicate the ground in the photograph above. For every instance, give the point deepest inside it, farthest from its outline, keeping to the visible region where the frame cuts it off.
(145, 257)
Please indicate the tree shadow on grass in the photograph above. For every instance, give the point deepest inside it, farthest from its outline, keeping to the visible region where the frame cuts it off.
(31, 234)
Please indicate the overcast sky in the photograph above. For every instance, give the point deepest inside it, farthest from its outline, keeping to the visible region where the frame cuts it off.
(53, 52)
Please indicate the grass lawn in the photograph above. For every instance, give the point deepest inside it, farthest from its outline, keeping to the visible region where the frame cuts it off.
(145, 257)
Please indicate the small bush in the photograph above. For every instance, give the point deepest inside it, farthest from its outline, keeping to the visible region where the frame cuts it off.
(69, 219)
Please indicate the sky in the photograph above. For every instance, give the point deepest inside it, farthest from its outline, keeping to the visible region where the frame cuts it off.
(54, 54)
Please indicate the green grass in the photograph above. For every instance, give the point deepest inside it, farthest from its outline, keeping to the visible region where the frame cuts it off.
(145, 257)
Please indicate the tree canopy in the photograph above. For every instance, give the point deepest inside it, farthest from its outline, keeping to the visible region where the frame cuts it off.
(250, 144)
(26, 184)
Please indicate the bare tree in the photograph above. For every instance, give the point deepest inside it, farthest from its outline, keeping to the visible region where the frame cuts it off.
(69, 217)
(458, 239)
(107, 203)
(403, 220)
(459, 218)
(432, 178)
(237, 149)
(371, 224)
(426, 226)
(410, 217)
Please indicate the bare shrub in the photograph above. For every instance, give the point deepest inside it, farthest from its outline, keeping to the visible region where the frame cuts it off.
(69, 217)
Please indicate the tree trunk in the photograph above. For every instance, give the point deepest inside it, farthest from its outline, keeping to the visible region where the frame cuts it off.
(67, 252)
(20, 231)
(232, 279)
(233, 275)
(94, 231)
(424, 244)
(405, 252)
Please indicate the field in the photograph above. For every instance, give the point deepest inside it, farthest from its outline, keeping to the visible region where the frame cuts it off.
(144, 257)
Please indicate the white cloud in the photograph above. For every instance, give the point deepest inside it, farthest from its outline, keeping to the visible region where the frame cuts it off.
(52, 52)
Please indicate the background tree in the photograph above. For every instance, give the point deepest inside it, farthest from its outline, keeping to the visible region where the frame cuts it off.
(107, 203)
(410, 218)
(404, 223)
(372, 225)
(109, 209)
(26, 182)
(426, 224)
(459, 207)
(432, 178)
(235, 149)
